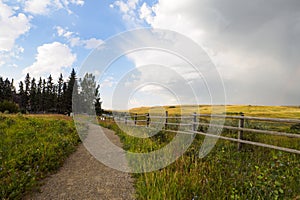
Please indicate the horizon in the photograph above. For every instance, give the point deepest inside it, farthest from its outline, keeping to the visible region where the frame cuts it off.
(201, 105)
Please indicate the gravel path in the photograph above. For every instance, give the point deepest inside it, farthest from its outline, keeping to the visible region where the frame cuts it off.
(84, 177)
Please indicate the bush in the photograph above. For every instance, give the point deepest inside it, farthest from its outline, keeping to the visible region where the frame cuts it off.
(8, 107)
(295, 128)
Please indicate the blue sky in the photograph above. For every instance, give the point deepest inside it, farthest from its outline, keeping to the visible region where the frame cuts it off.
(90, 20)
(253, 45)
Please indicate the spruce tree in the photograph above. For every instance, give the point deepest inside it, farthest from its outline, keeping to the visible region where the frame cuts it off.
(60, 85)
(1, 89)
(98, 103)
(64, 98)
(49, 95)
(33, 97)
(27, 92)
(44, 96)
(72, 89)
(39, 95)
(22, 98)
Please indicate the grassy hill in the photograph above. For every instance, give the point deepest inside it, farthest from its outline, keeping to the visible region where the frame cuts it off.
(248, 110)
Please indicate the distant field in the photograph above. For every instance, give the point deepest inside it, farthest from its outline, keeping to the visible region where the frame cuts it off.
(32, 147)
(259, 111)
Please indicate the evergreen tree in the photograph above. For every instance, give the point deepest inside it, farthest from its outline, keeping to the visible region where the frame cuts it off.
(72, 89)
(60, 84)
(33, 96)
(44, 96)
(54, 99)
(1, 89)
(22, 97)
(49, 95)
(98, 103)
(64, 98)
(39, 96)
(13, 90)
(27, 92)
(7, 92)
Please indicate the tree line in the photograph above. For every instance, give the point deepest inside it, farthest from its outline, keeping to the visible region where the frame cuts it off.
(46, 96)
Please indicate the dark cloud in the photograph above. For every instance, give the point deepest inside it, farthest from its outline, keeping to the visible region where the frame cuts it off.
(256, 44)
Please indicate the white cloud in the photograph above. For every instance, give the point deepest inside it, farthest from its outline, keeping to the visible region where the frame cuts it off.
(128, 9)
(60, 30)
(126, 6)
(51, 59)
(74, 40)
(63, 32)
(78, 2)
(8, 57)
(171, 63)
(88, 44)
(2, 60)
(146, 13)
(44, 7)
(108, 82)
(92, 43)
(254, 44)
(37, 6)
(12, 26)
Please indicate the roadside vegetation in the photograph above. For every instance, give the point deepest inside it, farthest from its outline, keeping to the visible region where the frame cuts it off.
(225, 173)
(32, 147)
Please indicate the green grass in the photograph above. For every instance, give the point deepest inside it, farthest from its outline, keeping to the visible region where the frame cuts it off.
(31, 148)
(225, 173)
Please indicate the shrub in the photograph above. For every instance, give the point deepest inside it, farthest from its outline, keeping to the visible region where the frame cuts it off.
(8, 107)
(295, 128)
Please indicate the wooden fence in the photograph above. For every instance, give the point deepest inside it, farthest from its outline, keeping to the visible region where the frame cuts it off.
(195, 120)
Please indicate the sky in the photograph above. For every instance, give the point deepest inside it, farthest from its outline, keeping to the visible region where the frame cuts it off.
(253, 45)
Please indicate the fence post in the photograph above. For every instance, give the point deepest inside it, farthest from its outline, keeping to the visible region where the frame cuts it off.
(148, 119)
(194, 121)
(125, 120)
(166, 121)
(135, 118)
(240, 132)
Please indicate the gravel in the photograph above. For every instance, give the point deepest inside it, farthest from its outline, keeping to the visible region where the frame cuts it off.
(84, 177)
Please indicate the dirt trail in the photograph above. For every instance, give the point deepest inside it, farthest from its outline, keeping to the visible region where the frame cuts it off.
(84, 177)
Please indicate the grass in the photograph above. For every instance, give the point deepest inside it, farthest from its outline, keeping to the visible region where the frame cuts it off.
(225, 173)
(32, 147)
(249, 110)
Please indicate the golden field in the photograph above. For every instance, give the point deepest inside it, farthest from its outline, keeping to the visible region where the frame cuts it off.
(248, 110)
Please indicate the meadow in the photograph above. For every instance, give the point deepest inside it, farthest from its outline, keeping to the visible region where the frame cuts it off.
(225, 173)
(292, 112)
(31, 148)
(34, 146)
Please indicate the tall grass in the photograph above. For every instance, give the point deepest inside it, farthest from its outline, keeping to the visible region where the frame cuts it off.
(225, 173)
(31, 148)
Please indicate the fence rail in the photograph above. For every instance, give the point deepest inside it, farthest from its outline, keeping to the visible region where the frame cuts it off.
(194, 121)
